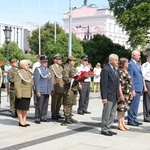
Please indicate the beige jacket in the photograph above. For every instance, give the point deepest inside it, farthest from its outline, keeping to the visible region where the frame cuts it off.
(23, 84)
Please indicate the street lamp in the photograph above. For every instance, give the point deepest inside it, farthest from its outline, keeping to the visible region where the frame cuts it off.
(7, 32)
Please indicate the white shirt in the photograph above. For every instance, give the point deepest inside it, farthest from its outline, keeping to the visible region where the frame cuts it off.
(36, 64)
(146, 71)
(84, 68)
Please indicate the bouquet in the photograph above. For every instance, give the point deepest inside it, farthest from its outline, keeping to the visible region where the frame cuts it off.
(83, 75)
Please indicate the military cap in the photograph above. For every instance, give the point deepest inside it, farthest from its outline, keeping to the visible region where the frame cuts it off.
(71, 58)
(84, 57)
(44, 58)
(57, 56)
(13, 61)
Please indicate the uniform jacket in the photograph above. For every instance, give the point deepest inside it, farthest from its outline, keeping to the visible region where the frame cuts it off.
(23, 84)
(11, 75)
(136, 74)
(68, 74)
(1, 76)
(57, 81)
(42, 80)
(109, 84)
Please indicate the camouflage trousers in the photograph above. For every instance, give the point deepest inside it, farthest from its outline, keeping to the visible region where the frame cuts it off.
(12, 101)
(69, 99)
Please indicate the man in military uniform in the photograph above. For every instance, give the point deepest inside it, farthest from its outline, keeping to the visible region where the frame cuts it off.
(70, 89)
(43, 88)
(11, 75)
(56, 74)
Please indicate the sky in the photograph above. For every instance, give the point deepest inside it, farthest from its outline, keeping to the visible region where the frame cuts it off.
(11, 11)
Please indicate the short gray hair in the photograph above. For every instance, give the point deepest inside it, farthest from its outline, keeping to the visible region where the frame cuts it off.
(134, 52)
(22, 62)
(112, 56)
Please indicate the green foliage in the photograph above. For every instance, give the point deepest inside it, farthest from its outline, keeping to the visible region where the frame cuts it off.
(61, 47)
(47, 34)
(100, 47)
(49, 47)
(133, 16)
(14, 51)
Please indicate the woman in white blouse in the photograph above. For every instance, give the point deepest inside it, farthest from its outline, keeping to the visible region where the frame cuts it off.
(96, 79)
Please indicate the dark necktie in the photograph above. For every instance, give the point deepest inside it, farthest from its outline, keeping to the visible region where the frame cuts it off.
(115, 70)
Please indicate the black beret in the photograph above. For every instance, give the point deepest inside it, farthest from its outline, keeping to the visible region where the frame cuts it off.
(84, 57)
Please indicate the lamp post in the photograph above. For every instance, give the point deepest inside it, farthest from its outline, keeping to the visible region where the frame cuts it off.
(7, 32)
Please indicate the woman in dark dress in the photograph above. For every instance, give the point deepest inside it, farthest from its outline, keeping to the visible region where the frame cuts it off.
(23, 89)
(125, 93)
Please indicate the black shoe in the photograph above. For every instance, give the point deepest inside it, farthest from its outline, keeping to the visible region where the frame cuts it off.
(46, 120)
(146, 120)
(22, 125)
(80, 113)
(27, 124)
(87, 112)
(37, 122)
(132, 124)
(13, 116)
(113, 133)
(106, 133)
(139, 123)
(54, 118)
(60, 117)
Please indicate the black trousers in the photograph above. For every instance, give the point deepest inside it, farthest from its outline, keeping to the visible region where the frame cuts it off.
(146, 103)
(84, 97)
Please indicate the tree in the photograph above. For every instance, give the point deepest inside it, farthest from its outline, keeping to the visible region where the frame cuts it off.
(14, 51)
(100, 47)
(133, 16)
(47, 34)
(61, 47)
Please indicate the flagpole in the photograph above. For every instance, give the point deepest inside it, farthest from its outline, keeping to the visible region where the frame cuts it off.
(70, 30)
(55, 32)
(39, 29)
(22, 26)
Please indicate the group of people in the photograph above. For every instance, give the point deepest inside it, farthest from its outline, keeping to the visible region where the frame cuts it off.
(122, 84)
(41, 82)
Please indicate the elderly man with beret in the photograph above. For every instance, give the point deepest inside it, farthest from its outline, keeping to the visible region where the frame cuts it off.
(57, 81)
(43, 88)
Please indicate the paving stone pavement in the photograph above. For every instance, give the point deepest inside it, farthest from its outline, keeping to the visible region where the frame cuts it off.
(85, 135)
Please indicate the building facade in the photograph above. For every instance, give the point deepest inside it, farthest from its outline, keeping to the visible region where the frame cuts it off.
(19, 34)
(90, 20)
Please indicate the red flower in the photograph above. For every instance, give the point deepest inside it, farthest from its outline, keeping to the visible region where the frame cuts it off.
(83, 75)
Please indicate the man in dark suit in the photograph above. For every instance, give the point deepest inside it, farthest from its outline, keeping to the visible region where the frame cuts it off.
(137, 87)
(110, 93)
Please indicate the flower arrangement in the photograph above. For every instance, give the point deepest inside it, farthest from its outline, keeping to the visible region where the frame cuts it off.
(83, 75)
